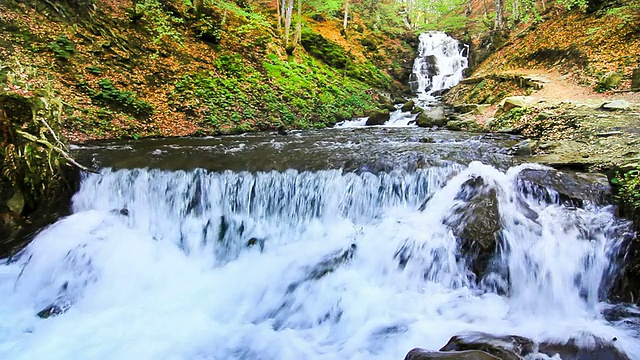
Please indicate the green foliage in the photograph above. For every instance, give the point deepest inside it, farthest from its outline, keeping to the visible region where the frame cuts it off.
(510, 118)
(62, 47)
(159, 21)
(323, 49)
(581, 4)
(125, 100)
(443, 15)
(627, 185)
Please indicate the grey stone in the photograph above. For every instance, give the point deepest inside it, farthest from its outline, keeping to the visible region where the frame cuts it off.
(503, 347)
(431, 118)
(615, 105)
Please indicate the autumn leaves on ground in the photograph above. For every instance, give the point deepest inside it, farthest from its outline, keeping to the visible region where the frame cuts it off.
(171, 68)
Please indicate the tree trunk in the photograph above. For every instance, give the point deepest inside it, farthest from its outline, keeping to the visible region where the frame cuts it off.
(279, 17)
(499, 24)
(299, 27)
(346, 15)
(287, 22)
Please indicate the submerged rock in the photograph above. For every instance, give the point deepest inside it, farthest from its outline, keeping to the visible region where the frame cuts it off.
(378, 117)
(420, 354)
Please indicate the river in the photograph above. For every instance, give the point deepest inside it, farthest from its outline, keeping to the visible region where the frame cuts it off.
(346, 243)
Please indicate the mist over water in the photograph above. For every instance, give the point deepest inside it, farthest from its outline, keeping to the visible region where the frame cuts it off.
(301, 265)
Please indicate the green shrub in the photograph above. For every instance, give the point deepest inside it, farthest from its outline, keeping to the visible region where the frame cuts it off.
(62, 47)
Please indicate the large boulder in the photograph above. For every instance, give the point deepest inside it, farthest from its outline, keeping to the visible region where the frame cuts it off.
(503, 347)
(476, 222)
(378, 117)
(432, 117)
(568, 188)
(595, 349)
(513, 102)
(420, 354)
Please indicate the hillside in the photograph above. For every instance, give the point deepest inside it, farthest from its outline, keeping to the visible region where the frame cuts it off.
(176, 68)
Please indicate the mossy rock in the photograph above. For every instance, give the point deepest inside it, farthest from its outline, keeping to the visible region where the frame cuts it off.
(378, 117)
(408, 106)
(609, 81)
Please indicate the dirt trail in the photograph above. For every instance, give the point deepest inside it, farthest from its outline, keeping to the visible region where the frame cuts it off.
(562, 88)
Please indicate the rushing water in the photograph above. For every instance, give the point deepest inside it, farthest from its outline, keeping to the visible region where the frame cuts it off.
(314, 263)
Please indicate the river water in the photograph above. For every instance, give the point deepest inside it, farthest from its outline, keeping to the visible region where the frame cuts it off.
(304, 246)
(344, 243)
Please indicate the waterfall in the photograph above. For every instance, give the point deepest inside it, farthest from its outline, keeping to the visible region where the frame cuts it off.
(304, 265)
(440, 64)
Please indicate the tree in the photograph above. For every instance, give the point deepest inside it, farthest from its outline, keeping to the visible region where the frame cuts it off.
(499, 22)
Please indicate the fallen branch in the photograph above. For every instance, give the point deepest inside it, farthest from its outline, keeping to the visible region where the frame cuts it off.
(56, 149)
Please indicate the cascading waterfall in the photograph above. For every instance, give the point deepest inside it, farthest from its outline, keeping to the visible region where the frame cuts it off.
(302, 265)
(440, 64)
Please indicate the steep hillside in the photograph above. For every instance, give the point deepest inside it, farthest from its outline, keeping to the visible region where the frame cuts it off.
(175, 68)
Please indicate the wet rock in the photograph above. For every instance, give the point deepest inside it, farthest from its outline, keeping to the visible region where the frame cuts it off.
(328, 265)
(609, 81)
(476, 222)
(594, 349)
(615, 105)
(525, 147)
(431, 118)
(378, 117)
(465, 108)
(502, 347)
(569, 188)
(52, 310)
(255, 241)
(420, 354)
(408, 106)
(282, 130)
(635, 79)
(417, 110)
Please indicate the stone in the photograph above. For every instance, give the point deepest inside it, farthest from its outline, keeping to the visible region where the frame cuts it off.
(378, 117)
(525, 147)
(503, 347)
(570, 188)
(475, 220)
(463, 124)
(594, 349)
(421, 354)
(609, 81)
(635, 79)
(465, 108)
(408, 106)
(513, 102)
(431, 118)
(615, 105)
(417, 110)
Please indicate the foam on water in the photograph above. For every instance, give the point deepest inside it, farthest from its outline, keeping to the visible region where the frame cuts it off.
(299, 266)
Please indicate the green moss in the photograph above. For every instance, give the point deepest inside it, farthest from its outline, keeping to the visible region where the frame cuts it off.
(109, 95)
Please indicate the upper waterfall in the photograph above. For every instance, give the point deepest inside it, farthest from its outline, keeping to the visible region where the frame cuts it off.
(440, 64)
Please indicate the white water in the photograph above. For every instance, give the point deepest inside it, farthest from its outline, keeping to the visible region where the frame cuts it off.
(440, 65)
(323, 281)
